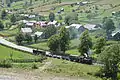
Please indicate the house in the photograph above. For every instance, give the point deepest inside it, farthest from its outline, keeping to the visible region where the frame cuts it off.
(62, 9)
(24, 21)
(26, 31)
(39, 34)
(67, 27)
(31, 16)
(42, 23)
(52, 23)
(116, 35)
(75, 30)
(91, 27)
(29, 24)
(79, 27)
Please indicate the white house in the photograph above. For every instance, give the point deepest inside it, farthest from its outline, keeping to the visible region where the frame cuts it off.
(29, 24)
(77, 26)
(26, 30)
(52, 23)
(91, 27)
(38, 34)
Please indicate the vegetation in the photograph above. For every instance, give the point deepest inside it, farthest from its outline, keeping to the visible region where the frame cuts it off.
(6, 52)
(54, 43)
(85, 43)
(99, 46)
(1, 25)
(71, 19)
(19, 38)
(108, 26)
(49, 31)
(64, 39)
(52, 17)
(110, 59)
(61, 67)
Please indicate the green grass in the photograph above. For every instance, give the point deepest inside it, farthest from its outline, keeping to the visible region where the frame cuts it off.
(26, 65)
(5, 54)
(42, 45)
(9, 32)
(73, 69)
(73, 52)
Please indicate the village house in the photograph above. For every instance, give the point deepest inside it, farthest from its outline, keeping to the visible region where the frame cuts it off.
(116, 35)
(53, 23)
(25, 31)
(41, 24)
(91, 27)
(79, 27)
(39, 34)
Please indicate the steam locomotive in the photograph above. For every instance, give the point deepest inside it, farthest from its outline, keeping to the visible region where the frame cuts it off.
(78, 59)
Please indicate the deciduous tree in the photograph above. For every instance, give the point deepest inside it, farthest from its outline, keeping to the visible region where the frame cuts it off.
(99, 45)
(64, 39)
(110, 57)
(85, 43)
(52, 17)
(53, 43)
(19, 38)
(108, 25)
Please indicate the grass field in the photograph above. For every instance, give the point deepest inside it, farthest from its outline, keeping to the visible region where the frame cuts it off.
(61, 67)
(5, 54)
(9, 32)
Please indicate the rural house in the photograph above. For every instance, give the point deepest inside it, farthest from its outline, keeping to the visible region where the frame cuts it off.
(91, 27)
(116, 35)
(26, 31)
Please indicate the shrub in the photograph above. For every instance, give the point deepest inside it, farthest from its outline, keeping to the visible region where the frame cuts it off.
(34, 66)
(5, 64)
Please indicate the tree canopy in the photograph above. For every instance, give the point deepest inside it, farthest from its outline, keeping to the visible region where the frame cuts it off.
(52, 17)
(1, 25)
(85, 43)
(54, 42)
(71, 19)
(110, 57)
(59, 42)
(49, 31)
(99, 45)
(64, 39)
(108, 25)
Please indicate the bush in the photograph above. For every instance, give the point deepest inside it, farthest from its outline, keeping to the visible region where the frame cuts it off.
(34, 66)
(5, 64)
(26, 60)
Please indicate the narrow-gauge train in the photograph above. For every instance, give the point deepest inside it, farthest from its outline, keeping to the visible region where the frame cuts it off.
(78, 59)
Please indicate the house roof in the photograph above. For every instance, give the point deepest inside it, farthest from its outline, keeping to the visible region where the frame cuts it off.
(77, 26)
(32, 16)
(90, 26)
(67, 26)
(29, 24)
(114, 33)
(38, 33)
(24, 21)
(26, 30)
(54, 22)
(33, 21)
